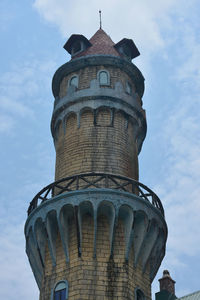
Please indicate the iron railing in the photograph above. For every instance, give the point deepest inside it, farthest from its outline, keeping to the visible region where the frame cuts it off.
(96, 180)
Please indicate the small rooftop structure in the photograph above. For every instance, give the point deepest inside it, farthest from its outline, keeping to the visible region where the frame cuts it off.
(100, 43)
(167, 287)
(128, 48)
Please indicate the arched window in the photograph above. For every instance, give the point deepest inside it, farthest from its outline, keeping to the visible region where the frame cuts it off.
(74, 81)
(61, 291)
(139, 294)
(104, 78)
(128, 88)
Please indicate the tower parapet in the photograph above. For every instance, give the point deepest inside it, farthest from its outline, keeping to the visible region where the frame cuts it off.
(96, 229)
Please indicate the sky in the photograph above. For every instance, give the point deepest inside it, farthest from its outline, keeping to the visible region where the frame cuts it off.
(167, 35)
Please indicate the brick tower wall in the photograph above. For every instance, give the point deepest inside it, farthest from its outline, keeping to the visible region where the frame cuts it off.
(104, 140)
(104, 242)
(87, 74)
(100, 148)
(101, 278)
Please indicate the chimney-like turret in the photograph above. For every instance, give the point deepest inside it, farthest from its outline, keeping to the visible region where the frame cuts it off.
(167, 283)
(167, 287)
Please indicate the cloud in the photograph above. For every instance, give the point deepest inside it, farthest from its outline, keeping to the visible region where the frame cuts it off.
(189, 72)
(179, 187)
(15, 107)
(134, 17)
(160, 29)
(7, 16)
(15, 270)
(21, 91)
(6, 123)
(153, 25)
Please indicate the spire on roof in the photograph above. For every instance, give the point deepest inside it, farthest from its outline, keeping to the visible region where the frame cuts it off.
(102, 44)
(100, 18)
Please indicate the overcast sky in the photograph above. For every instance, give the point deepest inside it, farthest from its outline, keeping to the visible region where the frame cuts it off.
(167, 34)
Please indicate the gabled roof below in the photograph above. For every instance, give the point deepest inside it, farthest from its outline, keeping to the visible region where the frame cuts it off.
(192, 296)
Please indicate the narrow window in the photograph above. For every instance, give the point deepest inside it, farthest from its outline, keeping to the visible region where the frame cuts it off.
(139, 295)
(74, 81)
(103, 78)
(61, 291)
(128, 88)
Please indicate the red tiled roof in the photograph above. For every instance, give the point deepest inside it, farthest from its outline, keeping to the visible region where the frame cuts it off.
(101, 44)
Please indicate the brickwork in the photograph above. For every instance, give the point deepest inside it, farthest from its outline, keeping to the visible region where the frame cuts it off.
(104, 141)
(93, 255)
(100, 278)
(99, 148)
(167, 283)
(87, 74)
(103, 253)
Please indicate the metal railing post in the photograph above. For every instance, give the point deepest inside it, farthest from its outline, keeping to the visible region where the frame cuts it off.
(77, 182)
(137, 188)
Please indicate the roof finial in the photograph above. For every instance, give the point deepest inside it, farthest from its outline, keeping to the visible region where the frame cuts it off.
(100, 18)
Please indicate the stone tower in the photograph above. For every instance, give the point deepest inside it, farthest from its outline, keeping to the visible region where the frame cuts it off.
(96, 232)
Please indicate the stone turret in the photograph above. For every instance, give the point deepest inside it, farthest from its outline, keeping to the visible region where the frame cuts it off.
(96, 232)
(98, 123)
(167, 287)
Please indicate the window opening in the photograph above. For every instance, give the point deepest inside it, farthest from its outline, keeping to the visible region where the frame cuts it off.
(60, 291)
(128, 88)
(139, 295)
(74, 81)
(60, 295)
(127, 51)
(76, 47)
(103, 78)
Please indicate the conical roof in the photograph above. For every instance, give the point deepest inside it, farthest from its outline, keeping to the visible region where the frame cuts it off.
(101, 44)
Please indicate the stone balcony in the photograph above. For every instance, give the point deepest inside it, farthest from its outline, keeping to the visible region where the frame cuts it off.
(118, 199)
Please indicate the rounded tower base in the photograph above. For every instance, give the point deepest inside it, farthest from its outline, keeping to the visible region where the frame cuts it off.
(105, 243)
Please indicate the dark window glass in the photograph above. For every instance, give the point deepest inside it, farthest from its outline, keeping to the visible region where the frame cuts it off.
(127, 51)
(57, 295)
(61, 291)
(76, 47)
(140, 295)
(60, 295)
